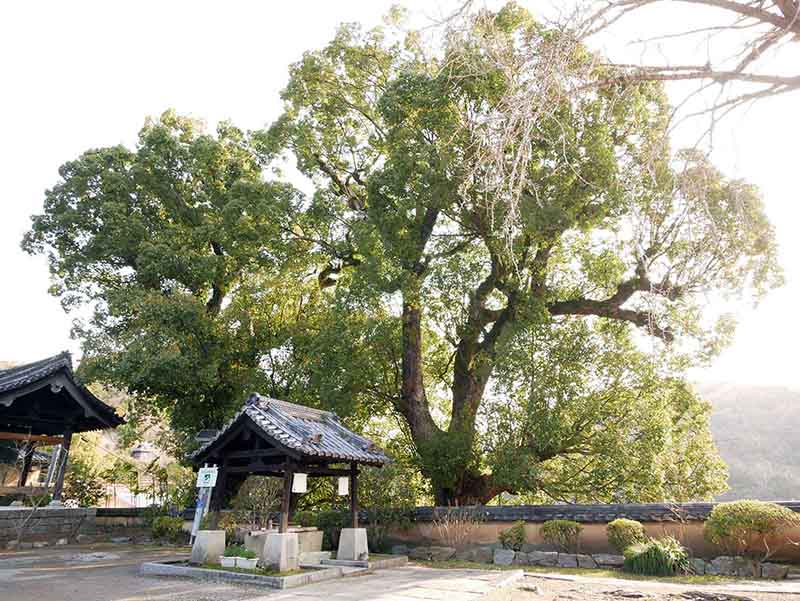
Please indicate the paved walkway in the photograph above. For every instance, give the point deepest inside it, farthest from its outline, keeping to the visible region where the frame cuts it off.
(111, 574)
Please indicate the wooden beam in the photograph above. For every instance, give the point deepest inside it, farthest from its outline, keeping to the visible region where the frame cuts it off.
(288, 474)
(45, 440)
(62, 465)
(354, 494)
(255, 453)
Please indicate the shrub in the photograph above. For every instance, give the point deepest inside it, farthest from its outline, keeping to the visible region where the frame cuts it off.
(657, 557)
(239, 551)
(752, 529)
(381, 522)
(623, 533)
(227, 522)
(168, 528)
(562, 534)
(514, 537)
(455, 525)
(330, 522)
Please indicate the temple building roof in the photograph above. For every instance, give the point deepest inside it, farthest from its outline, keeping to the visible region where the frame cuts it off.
(44, 398)
(301, 432)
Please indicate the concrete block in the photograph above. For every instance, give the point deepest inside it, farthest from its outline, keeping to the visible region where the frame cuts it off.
(567, 560)
(209, 546)
(353, 544)
(503, 557)
(281, 551)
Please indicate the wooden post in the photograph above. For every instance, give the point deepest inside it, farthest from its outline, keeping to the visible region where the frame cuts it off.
(288, 474)
(218, 493)
(27, 458)
(62, 465)
(354, 494)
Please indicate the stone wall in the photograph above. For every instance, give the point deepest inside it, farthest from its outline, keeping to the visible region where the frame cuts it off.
(46, 525)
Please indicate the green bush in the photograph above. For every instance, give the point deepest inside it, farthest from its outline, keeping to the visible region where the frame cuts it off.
(239, 551)
(168, 528)
(330, 522)
(752, 529)
(657, 557)
(623, 533)
(227, 522)
(381, 522)
(514, 537)
(562, 534)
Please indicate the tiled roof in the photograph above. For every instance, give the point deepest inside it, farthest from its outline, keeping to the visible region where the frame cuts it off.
(309, 432)
(21, 376)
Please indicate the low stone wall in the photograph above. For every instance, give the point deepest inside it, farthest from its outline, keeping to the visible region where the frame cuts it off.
(43, 526)
(684, 521)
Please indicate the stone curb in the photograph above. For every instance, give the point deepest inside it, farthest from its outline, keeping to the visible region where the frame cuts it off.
(277, 582)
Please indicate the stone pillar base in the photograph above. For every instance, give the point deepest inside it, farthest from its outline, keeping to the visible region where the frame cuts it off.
(281, 552)
(208, 547)
(353, 545)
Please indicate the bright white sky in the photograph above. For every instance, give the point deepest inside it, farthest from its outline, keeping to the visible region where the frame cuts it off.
(82, 74)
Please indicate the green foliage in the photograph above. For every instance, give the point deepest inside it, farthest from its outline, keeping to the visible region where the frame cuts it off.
(330, 522)
(752, 529)
(513, 537)
(255, 499)
(168, 528)
(82, 484)
(657, 557)
(381, 522)
(227, 522)
(239, 551)
(562, 534)
(622, 533)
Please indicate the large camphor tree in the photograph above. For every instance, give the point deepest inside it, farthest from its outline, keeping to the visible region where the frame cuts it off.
(504, 256)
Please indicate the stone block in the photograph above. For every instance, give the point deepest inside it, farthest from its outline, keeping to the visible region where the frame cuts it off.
(441, 553)
(420, 553)
(520, 559)
(209, 545)
(353, 544)
(314, 557)
(607, 560)
(399, 550)
(543, 558)
(698, 565)
(62, 541)
(124, 540)
(722, 566)
(12, 544)
(484, 555)
(567, 560)
(40, 544)
(503, 557)
(793, 573)
(585, 561)
(255, 542)
(774, 570)
(309, 541)
(744, 568)
(281, 551)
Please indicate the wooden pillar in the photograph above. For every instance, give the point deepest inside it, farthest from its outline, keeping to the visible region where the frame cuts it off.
(220, 489)
(27, 458)
(288, 474)
(62, 465)
(354, 494)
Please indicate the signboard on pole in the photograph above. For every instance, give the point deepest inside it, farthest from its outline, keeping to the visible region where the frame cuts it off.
(206, 477)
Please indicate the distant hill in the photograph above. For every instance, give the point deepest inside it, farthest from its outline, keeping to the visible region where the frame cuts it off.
(757, 431)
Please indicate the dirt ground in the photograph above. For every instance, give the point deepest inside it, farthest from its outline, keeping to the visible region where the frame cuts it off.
(556, 588)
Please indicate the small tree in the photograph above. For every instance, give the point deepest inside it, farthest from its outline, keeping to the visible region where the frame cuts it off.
(755, 530)
(455, 525)
(514, 537)
(256, 498)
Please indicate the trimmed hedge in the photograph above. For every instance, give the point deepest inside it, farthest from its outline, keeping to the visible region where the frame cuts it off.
(562, 534)
(622, 533)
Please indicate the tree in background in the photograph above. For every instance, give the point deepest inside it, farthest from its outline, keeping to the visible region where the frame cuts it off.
(507, 259)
